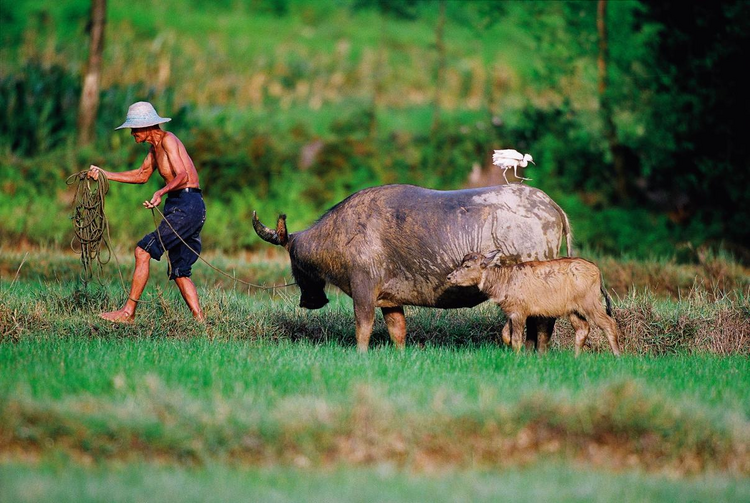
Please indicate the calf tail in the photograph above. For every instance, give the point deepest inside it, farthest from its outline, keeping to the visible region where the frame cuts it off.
(607, 298)
(566, 229)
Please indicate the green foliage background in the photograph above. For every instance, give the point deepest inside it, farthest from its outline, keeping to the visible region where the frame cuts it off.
(253, 85)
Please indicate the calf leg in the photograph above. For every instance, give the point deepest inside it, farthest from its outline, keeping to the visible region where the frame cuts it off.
(601, 319)
(581, 326)
(517, 325)
(506, 333)
(545, 327)
(396, 323)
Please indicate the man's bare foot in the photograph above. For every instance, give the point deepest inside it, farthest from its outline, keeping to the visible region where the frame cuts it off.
(120, 316)
(199, 317)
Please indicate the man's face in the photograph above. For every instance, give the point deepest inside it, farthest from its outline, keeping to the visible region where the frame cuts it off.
(139, 134)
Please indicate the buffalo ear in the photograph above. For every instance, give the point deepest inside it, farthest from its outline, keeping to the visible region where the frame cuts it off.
(281, 230)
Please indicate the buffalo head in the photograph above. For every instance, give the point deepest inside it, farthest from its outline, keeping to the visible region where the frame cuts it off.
(311, 287)
(311, 284)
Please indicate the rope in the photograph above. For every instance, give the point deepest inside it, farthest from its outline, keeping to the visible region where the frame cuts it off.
(90, 224)
(233, 278)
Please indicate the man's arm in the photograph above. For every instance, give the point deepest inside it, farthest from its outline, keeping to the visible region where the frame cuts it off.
(140, 175)
(171, 148)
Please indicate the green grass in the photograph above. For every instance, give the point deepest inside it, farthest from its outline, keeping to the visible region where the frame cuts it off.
(49, 300)
(55, 367)
(146, 482)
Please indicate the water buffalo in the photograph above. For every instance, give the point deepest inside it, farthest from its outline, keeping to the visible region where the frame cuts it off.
(395, 245)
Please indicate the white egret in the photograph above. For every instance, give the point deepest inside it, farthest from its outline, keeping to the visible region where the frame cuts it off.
(510, 158)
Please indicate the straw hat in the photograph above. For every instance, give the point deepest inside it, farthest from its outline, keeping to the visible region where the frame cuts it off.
(142, 114)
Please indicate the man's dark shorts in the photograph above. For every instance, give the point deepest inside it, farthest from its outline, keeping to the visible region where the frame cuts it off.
(186, 212)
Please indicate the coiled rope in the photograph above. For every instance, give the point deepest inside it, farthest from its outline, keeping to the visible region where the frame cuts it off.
(90, 226)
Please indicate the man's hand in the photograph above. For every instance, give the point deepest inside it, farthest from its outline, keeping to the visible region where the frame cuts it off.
(94, 172)
(154, 202)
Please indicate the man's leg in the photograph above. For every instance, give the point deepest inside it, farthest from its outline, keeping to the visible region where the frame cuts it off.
(184, 255)
(190, 294)
(140, 278)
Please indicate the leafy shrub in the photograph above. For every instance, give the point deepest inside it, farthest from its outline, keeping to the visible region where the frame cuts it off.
(38, 107)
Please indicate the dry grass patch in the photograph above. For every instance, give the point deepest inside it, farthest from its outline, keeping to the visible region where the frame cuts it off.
(697, 323)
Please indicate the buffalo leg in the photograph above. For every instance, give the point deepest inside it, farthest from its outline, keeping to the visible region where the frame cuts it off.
(396, 323)
(364, 316)
(364, 313)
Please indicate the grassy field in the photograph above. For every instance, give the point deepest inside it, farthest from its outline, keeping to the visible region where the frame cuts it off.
(271, 400)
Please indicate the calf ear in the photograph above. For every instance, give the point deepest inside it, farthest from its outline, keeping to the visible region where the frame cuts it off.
(488, 258)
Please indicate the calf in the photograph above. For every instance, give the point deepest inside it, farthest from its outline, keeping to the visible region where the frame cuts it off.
(562, 287)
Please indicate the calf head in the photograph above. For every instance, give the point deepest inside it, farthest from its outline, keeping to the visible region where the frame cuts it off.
(469, 273)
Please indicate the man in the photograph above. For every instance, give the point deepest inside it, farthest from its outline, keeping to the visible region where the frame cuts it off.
(184, 209)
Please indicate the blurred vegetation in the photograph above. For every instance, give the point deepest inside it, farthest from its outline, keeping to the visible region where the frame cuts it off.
(56, 479)
(291, 105)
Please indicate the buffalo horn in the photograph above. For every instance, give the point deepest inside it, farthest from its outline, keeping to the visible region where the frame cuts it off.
(276, 237)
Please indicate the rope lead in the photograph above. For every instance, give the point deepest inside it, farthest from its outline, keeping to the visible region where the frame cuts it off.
(233, 278)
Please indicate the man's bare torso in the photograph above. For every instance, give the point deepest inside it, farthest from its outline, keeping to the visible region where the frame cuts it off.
(164, 165)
